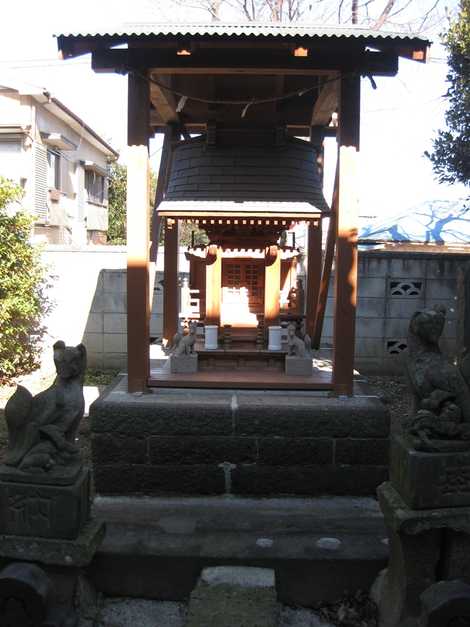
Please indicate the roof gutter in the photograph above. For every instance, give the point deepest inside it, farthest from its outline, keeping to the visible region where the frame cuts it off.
(83, 124)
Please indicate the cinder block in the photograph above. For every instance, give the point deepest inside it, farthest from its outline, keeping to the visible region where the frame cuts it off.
(156, 324)
(396, 328)
(115, 361)
(115, 323)
(370, 287)
(370, 307)
(115, 281)
(93, 342)
(369, 328)
(367, 347)
(115, 343)
(114, 302)
(445, 288)
(403, 307)
(94, 323)
(94, 360)
(373, 266)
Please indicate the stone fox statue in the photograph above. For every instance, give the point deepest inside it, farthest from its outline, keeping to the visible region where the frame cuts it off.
(295, 346)
(440, 414)
(42, 429)
(184, 345)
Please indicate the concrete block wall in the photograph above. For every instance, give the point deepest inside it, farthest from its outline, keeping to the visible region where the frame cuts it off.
(106, 331)
(392, 286)
(90, 293)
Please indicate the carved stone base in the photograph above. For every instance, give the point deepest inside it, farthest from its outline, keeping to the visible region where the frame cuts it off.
(299, 366)
(429, 480)
(45, 511)
(183, 364)
(50, 551)
(425, 546)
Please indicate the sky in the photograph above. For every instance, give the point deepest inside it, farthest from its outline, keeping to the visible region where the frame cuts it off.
(398, 119)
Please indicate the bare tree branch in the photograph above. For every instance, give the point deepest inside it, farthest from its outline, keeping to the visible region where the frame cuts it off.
(384, 15)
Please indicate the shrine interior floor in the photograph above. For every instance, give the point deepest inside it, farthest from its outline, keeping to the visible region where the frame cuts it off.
(245, 377)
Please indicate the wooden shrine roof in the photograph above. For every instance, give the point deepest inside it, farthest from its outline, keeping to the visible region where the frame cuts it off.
(85, 40)
(254, 169)
(210, 72)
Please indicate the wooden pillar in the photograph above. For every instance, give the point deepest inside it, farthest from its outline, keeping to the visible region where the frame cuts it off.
(346, 236)
(170, 281)
(314, 268)
(272, 285)
(138, 297)
(213, 284)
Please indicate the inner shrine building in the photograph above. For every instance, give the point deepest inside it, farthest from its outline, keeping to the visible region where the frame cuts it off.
(244, 110)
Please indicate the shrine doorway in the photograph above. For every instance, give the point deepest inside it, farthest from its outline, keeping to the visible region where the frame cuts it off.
(242, 292)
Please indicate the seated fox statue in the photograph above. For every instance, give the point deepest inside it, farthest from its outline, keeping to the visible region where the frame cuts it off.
(42, 429)
(440, 414)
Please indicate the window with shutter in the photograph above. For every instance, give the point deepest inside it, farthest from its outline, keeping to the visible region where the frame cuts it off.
(40, 183)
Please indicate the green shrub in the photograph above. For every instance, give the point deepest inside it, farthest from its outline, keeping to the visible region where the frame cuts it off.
(23, 286)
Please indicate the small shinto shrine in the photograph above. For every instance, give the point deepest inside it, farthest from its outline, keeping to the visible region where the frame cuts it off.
(244, 110)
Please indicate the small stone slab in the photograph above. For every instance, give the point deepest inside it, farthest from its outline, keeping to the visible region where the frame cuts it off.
(298, 366)
(78, 552)
(429, 480)
(234, 597)
(183, 364)
(45, 511)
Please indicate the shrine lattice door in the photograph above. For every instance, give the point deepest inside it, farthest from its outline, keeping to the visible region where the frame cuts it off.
(242, 291)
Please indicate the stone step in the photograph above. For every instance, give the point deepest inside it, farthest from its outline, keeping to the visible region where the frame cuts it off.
(319, 548)
(234, 596)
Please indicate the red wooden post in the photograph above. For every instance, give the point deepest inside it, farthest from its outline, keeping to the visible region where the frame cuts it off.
(138, 298)
(314, 267)
(213, 284)
(170, 280)
(346, 241)
(272, 285)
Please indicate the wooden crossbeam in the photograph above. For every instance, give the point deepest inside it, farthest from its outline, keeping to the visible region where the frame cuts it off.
(267, 62)
(326, 103)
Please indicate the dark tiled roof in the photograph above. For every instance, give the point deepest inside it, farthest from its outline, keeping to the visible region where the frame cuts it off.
(246, 173)
(128, 29)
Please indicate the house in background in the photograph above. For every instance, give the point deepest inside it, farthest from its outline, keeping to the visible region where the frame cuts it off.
(60, 162)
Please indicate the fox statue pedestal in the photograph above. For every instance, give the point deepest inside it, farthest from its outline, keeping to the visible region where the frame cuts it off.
(45, 490)
(426, 504)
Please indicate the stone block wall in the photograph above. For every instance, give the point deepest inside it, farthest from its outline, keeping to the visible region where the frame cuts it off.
(238, 443)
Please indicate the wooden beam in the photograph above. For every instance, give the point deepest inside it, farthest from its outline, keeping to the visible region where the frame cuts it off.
(213, 284)
(164, 101)
(171, 134)
(346, 236)
(326, 103)
(138, 298)
(327, 267)
(268, 62)
(272, 285)
(170, 281)
(314, 268)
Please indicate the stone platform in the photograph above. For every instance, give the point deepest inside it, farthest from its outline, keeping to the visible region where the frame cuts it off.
(238, 442)
(156, 548)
